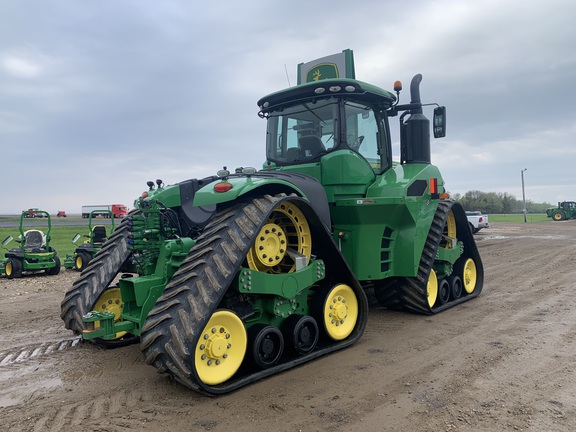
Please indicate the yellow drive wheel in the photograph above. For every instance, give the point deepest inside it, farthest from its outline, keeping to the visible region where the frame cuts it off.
(8, 269)
(432, 288)
(110, 301)
(340, 312)
(286, 228)
(221, 348)
(469, 276)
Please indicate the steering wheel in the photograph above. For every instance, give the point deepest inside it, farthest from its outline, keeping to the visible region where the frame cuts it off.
(357, 143)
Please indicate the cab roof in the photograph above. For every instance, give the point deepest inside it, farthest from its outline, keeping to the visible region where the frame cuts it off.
(337, 87)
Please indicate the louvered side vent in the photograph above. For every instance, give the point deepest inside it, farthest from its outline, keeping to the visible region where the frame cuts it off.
(385, 249)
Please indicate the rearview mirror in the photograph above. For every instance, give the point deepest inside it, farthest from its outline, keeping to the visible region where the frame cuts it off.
(439, 122)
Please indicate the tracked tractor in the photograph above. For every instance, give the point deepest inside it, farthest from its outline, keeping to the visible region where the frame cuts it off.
(98, 234)
(34, 253)
(229, 279)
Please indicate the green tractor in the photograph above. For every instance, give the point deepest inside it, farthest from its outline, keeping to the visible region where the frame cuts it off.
(229, 279)
(87, 250)
(34, 254)
(565, 210)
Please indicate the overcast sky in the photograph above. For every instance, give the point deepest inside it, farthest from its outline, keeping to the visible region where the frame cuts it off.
(98, 97)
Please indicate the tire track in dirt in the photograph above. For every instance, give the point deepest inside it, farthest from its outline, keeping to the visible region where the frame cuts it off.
(78, 415)
(31, 352)
(85, 401)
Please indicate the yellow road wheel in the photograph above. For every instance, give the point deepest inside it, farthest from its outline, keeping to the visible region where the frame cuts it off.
(221, 348)
(8, 269)
(340, 312)
(110, 301)
(432, 288)
(286, 229)
(469, 276)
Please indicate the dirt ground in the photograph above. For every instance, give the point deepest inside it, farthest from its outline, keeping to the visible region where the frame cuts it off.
(503, 361)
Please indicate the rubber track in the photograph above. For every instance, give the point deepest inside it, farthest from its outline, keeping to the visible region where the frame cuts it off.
(171, 331)
(411, 292)
(94, 279)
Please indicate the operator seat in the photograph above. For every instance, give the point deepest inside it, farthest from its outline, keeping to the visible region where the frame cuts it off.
(311, 146)
(34, 241)
(99, 234)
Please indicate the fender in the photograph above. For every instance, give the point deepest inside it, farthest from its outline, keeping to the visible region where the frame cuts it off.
(268, 182)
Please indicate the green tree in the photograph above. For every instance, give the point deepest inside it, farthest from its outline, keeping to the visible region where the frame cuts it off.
(497, 203)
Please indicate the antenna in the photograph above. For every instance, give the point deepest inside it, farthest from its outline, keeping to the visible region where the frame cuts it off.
(287, 77)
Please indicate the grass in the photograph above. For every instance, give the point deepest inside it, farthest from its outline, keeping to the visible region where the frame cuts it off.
(517, 218)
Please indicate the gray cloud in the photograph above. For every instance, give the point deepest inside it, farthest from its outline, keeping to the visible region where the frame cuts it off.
(96, 98)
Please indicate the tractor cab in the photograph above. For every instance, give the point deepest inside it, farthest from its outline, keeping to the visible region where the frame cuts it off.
(305, 132)
(335, 128)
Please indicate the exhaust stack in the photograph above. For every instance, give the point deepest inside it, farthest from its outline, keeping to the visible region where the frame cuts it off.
(415, 130)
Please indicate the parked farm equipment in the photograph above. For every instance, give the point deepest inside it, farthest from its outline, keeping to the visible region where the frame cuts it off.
(565, 210)
(34, 253)
(98, 234)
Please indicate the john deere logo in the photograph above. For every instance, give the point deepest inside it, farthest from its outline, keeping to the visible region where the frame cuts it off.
(322, 71)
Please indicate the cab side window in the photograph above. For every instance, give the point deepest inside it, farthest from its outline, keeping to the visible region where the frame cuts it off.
(362, 134)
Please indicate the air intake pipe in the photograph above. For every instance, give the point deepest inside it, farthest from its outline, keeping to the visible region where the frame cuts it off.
(415, 130)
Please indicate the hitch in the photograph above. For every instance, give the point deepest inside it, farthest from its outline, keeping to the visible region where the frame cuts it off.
(99, 325)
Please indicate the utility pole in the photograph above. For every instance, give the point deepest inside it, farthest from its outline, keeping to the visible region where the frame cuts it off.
(523, 194)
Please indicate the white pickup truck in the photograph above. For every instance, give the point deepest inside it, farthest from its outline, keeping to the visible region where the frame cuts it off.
(477, 220)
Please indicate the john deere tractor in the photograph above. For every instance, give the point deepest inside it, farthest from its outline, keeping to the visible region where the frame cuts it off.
(228, 279)
(565, 210)
(34, 253)
(98, 234)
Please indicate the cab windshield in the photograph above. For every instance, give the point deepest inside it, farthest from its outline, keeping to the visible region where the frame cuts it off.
(305, 132)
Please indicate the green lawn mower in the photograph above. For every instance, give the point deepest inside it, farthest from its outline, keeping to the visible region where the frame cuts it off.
(87, 250)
